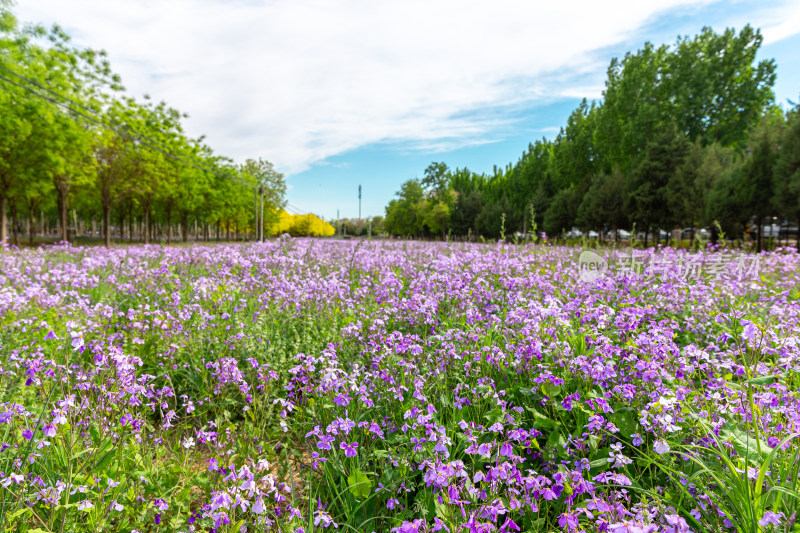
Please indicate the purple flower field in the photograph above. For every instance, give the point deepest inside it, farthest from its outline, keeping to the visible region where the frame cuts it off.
(304, 385)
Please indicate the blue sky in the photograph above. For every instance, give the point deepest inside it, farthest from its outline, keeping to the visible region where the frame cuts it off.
(339, 93)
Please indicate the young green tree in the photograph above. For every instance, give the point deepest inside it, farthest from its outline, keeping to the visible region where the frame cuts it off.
(787, 169)
(603, 204)
(689, 188)
(271, 188)
(647, 187)
(404, 214)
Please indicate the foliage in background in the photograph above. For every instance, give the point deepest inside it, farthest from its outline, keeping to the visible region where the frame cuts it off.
(74, 147)
(684, 135)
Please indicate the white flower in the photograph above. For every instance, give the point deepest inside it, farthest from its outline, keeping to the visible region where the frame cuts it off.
(188, 442)
(661, 446)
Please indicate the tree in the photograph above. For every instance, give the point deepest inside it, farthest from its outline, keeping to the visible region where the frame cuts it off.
(562, 212)
(71, 163)
(111, 179)
(604, 203)
(717, 91)
(689, 188)
(647, 185)
(756, 187)
(271, 188)
(787, 168)
(437, 180)
(708, 86)
(436, 216)
(404, 213)
(465, 212)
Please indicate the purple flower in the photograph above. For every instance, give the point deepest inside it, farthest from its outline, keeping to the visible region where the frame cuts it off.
(677, 524)
(324, 442)
(750, 332)
(485, 449)
(161, 505)
(510, 525)
(349, 449)
(506, 449)
(568, 520)
(27, 434)
(438, 525)
(627, 526)
(771, 518)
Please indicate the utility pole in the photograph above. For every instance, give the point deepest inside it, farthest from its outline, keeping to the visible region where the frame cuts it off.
(255, 215)
(337, 221)
(261, 224)
(359, 202)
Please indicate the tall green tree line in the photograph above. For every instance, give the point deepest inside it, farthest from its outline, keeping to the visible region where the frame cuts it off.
(684, 136)
(76, 153)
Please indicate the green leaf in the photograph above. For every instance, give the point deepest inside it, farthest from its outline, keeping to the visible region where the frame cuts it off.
(541, 421)
(359, 484)
(94, 431)
(744, 444)
(764, 380)
(625, 419)
(20, 512)
(555, 443)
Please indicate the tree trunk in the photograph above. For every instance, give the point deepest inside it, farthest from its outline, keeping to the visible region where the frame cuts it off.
(185, 228)
(146, 223)
(14, 224)
(32, 226)
(62, 214)
(255, 216)
(131, 222)
(759, 241)
(107, 224)
(3, 221)
(169, 224)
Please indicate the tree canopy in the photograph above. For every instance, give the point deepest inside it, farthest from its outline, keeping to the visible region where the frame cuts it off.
(77, 153)
(685, 136)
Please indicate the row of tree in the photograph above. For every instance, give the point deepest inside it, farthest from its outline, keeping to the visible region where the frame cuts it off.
(684, 136)
(77, 154)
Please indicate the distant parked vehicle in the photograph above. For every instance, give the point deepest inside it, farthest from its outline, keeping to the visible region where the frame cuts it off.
(772, 230)
(787, 230)
(703, 233)
(574, 233)
(622, 234)
(592, 234)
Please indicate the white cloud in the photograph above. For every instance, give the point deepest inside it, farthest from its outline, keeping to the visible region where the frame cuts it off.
(297, 81)
(788, 25)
